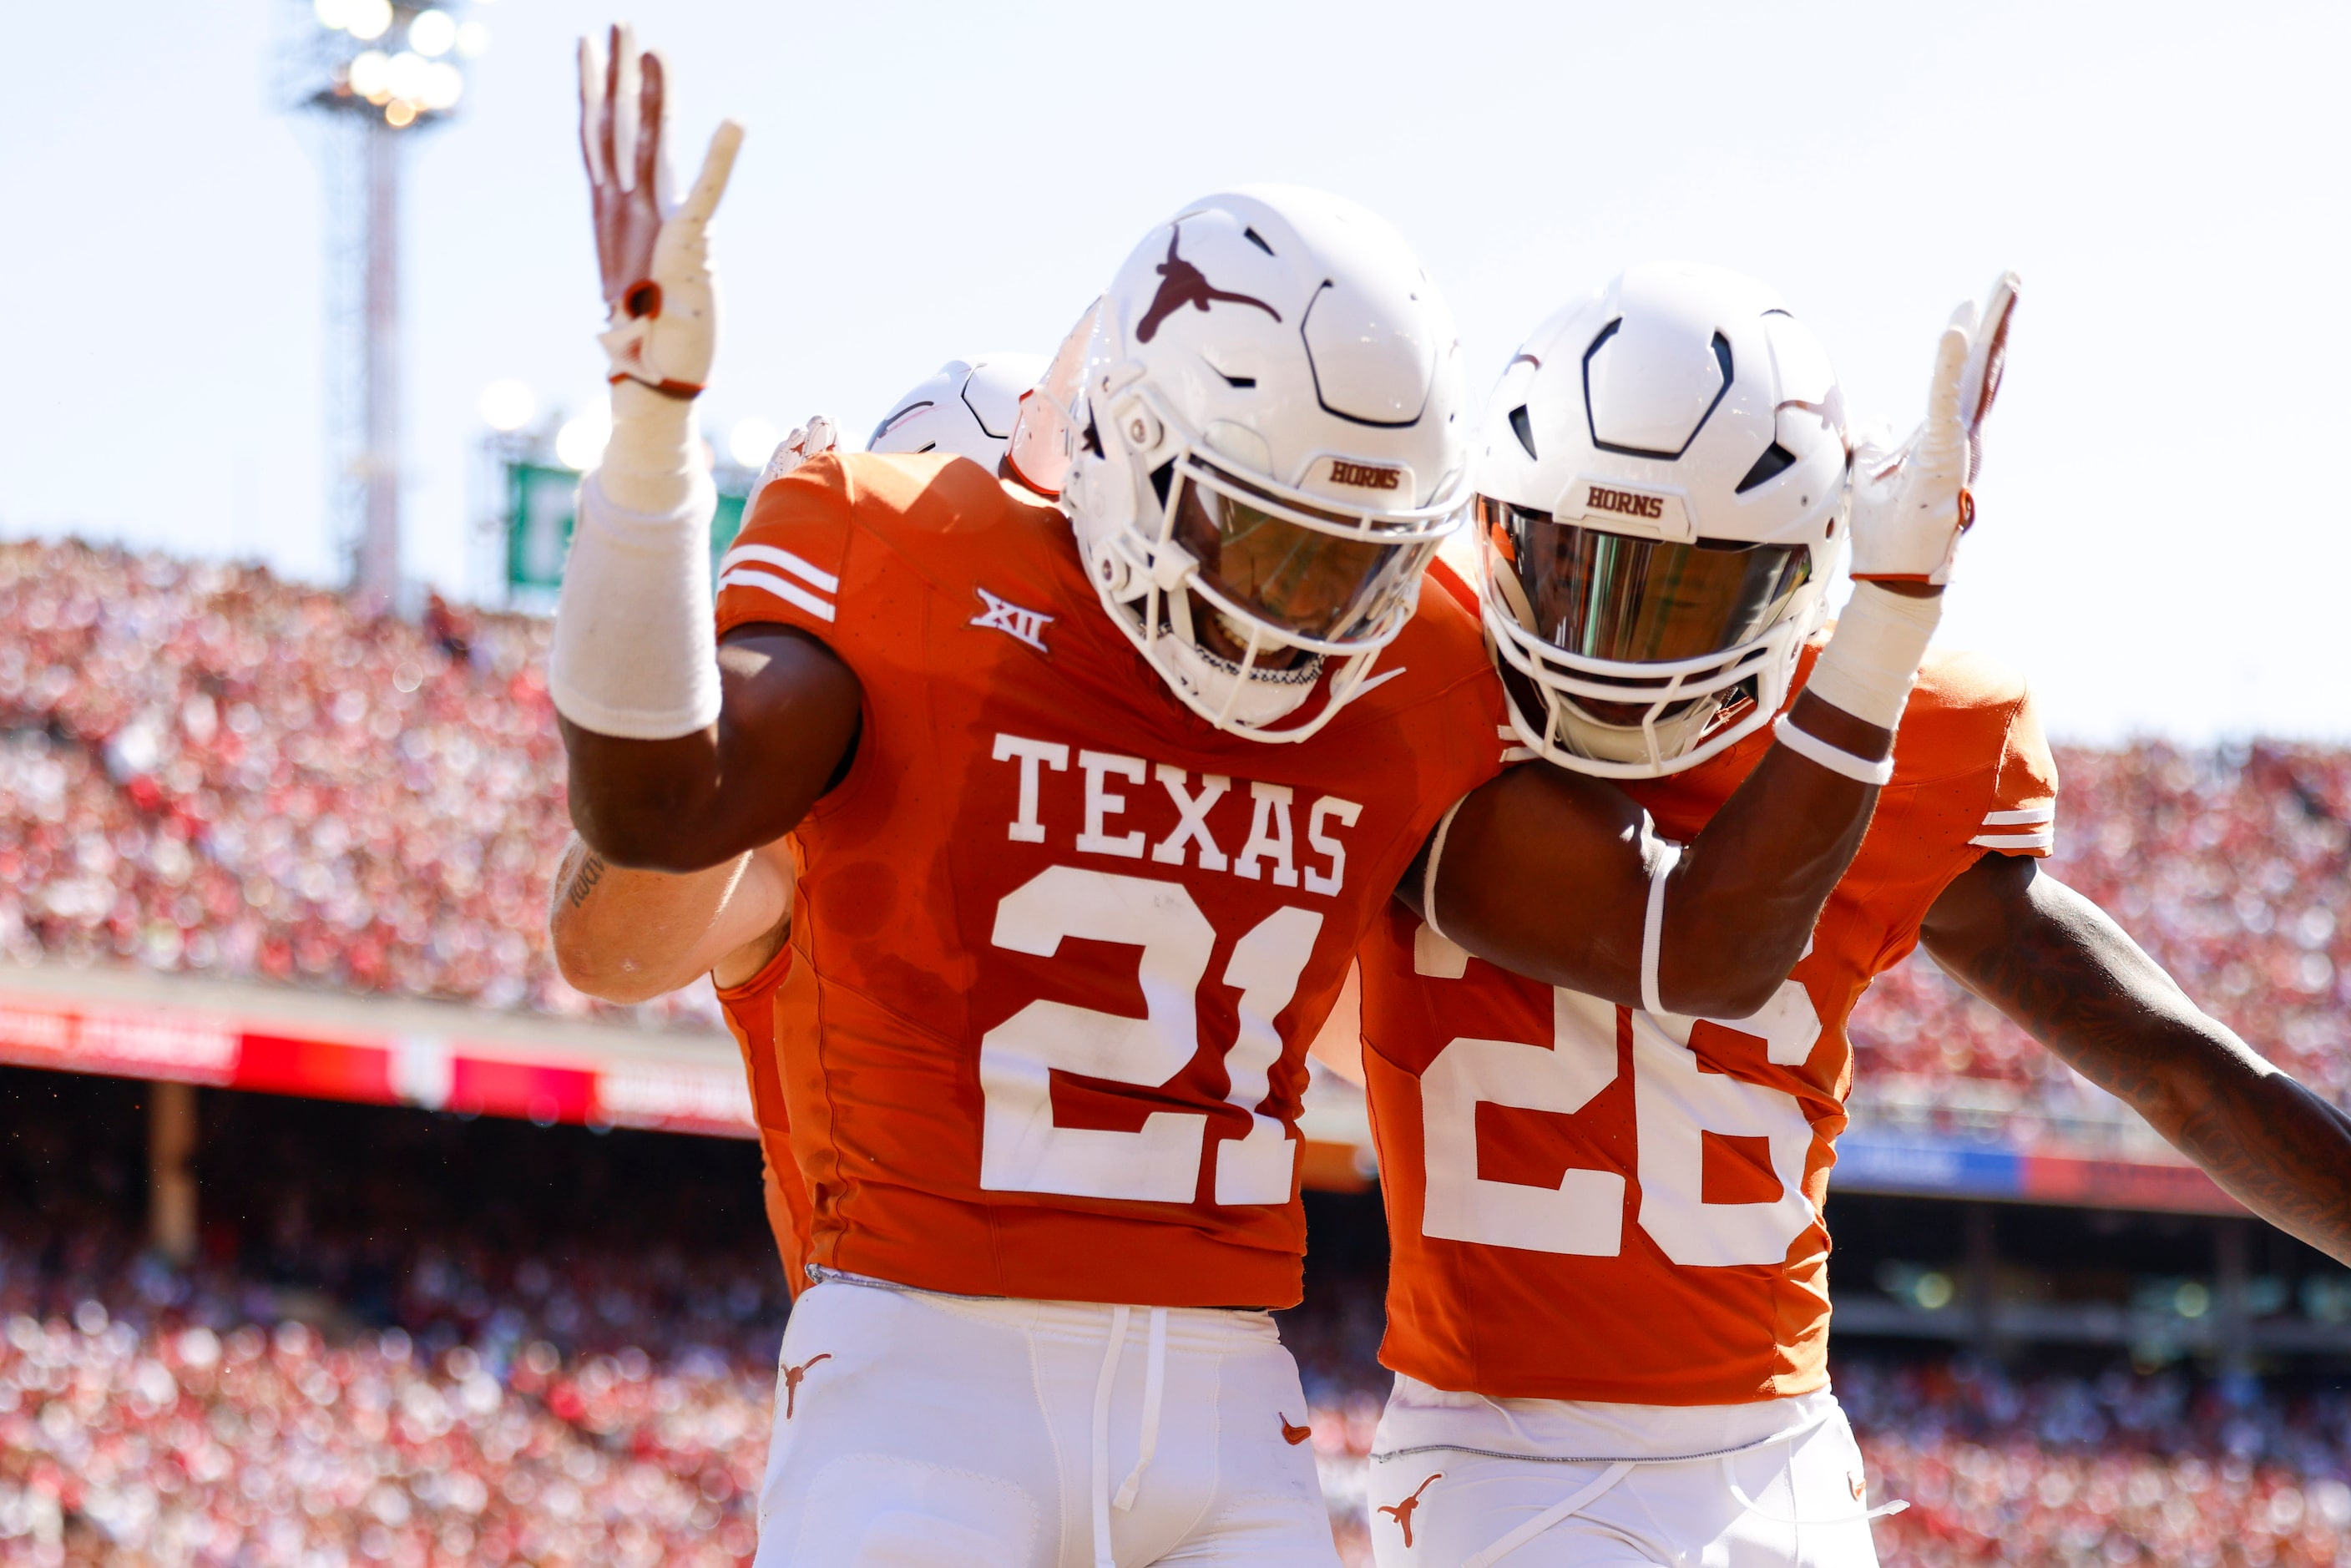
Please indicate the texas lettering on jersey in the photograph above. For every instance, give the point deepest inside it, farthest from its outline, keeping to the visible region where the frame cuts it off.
(1588, 1202)
(1061, 943)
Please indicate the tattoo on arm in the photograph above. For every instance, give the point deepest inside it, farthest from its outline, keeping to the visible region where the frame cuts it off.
(584, 880)
(2055, 964)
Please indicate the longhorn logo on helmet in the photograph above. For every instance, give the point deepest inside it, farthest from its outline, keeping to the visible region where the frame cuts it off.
(1183, 283)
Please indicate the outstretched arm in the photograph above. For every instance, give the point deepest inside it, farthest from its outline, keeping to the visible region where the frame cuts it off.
(683, 756)
(1547, 874)
(2057, 966)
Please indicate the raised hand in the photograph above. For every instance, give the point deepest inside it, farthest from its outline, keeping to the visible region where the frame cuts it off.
(653, 254)
(1911, 503)
(814, 439)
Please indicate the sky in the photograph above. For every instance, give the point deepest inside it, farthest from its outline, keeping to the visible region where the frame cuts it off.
(2163, 543)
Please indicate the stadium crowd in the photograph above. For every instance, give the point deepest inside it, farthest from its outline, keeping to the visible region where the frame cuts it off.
(204, 768)
(2231, 867)
(155, 1417)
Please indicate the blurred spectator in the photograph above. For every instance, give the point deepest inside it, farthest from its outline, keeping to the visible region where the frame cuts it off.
(2119, 1469)
(447, 628)
(2229, 866)
(204, 768)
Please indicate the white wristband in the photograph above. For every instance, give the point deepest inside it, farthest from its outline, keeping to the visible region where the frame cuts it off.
(636, 647)
(1836, 759)
(651, 462)
(1653, 924)
(1428, 870)
(1873, 658)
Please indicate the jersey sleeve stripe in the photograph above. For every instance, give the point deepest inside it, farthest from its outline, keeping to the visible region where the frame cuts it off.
(2029, 814)
(768, 581)
(2046, 839)
(770, 556)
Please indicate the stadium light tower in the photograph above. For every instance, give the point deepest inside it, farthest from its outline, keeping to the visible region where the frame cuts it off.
(373, 74)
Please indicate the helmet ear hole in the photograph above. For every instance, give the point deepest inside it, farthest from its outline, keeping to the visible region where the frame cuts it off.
(1776, 460)
(1523, 428)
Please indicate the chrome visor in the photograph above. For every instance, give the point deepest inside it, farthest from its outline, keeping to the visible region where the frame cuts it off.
(1324, 577)
(1612, 597)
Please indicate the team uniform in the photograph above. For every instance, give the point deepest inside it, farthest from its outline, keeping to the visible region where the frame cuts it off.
(1607, 1243)
(760, 1028)
(1060, 945)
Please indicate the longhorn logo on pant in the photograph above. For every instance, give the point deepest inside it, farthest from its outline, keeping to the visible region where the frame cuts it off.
(1183, 283)
(1402, 1511)
(792, 1376)
(1293, 1435)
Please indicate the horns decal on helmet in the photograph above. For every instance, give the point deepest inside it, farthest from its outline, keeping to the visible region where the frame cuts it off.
(1187, 285)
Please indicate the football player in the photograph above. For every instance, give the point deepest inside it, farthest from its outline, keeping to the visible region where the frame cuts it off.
(629, 935)
(1607, 1304)
(1094, 804)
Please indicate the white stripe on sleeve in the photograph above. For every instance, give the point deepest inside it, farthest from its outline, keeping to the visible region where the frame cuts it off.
(768, 583)
(769, 555)
(2046, 839)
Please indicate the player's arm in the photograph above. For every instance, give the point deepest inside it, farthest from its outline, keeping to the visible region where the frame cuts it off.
(1550, 874)
(628, 936)
(682, 757)
(787, 717)
(2056, 965)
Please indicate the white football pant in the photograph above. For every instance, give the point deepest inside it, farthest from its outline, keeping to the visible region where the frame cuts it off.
(1462, 1482)
(918, 1430)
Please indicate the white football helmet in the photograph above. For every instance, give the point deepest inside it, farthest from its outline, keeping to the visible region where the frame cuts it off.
(1266, 446)
(1660, 510)
(966, 407)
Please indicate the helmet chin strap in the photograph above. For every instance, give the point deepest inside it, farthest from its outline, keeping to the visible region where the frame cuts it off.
(1242, 694)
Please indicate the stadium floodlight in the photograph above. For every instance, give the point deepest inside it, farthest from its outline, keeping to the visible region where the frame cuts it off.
(405, 77)
(433, 34)
(579, 444)
(370, 75)
(367, 19)
(753, 440)
(507, 405)
(374, 72)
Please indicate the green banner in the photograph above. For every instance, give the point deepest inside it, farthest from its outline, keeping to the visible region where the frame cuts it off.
(541, 505)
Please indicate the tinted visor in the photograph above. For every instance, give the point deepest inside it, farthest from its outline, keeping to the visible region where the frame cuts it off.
(1634, 601)
(1328, 583)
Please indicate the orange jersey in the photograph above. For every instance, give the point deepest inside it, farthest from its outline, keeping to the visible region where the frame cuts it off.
(759, 1026)
(1585, 1202)
(1062, 943)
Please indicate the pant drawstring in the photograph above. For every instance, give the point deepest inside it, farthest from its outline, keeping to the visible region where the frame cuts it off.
(1155, 1381)
(1102, 1384)
(1550, 1516)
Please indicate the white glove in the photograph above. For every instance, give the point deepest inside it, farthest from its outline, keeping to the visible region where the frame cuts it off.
(1911, 504)
(813, 439)
(653, 254)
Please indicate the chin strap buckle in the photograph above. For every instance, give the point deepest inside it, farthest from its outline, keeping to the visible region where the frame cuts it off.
(1171, 565)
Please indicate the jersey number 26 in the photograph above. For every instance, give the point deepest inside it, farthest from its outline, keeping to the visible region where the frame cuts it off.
(1676, 1104)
